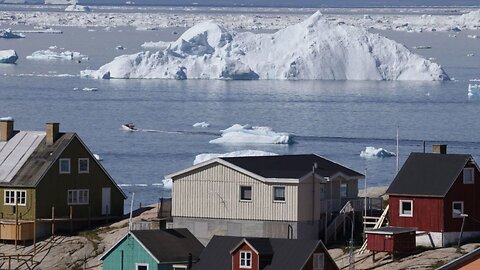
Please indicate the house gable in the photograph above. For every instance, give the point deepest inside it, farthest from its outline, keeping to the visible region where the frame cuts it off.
(126, 253)
(245, 257)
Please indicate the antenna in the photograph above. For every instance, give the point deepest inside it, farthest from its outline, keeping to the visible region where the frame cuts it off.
(397, 150)
(131, 210)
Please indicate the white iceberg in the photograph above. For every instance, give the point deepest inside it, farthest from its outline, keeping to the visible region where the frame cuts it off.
(156, 45)
(246, 134)
(56, 55)
(98, 157)
(242, 153)
(77, 8)
(8, 56)
(315, 49)
(6, 118)
(7, 33)
(201, 125)
(371, 151)
(167, 183)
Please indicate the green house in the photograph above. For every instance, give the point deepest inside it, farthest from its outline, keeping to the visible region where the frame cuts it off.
(171, 249)
(49, 182)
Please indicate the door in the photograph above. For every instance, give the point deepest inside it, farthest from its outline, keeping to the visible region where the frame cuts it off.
(106, 205)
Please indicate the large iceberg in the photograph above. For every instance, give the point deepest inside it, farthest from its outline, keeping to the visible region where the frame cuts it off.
(241, 153)
(8, 56)
(315, 49)
(371, 152)
(246, 134)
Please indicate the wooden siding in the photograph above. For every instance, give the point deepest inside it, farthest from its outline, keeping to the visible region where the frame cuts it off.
(427, 213)
(213, 191)
(469, 195)
(305, 201)
(26, 212)
(236, 257)
(126, 254)
(402, 242)
(58, 184)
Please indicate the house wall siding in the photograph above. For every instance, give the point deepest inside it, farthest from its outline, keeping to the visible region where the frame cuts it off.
(427, 213)
(26, 212)
(214, 192)
(469, 194)
(55, 183)
(133, 253)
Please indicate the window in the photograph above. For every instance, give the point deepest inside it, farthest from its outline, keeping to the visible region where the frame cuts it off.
(64, 165)
(141, 266)
(318, 261)
(343, 190)
(83, 166)
(179, 267)
(468, 175)
(279, 194)
(245, 259)
(245, 193)
(12, 197)
(406, 208)
(457, 209)
(77, 196)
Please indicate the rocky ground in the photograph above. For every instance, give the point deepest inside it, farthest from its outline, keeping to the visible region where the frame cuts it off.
(84, 251)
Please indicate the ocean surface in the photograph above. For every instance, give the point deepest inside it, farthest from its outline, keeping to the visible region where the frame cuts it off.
(335, 119)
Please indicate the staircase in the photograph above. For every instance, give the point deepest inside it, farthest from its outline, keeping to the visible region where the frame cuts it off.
(378, 224)
(338, 221)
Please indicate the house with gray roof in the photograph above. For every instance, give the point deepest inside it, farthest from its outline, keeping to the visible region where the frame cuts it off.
(437, 193)
(286, 196)
(236, 253)
(171, 249)
(50, 181)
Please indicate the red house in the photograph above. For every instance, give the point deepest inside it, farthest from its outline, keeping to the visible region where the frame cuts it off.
(436, 193)
(238, 253)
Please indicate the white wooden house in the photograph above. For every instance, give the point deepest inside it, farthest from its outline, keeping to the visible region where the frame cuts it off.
(285, 196)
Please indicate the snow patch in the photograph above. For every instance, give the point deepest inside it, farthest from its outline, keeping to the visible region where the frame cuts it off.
(246, 134)
(242, 153)
(315, 49)
(371, 151)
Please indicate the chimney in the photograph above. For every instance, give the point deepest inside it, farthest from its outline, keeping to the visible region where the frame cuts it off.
(6, 130)
(52, 132)
(439, 148)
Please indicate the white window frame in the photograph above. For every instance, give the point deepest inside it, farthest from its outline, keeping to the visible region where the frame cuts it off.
(60, 166)
(179, 266)
(245, 261)
(401, 213)
(141, 264)
(318, 261)
(74, 195)
(16, 196)
(88, 165)
(251, 194)
(471, 171)
(284, 194)
(455, 215)
(342, 195)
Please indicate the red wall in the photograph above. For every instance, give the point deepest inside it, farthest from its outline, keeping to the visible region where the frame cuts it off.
(470, 195)
(236, 257)
(402, 242)
(427, 213)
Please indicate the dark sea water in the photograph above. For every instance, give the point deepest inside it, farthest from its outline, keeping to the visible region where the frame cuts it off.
(335, 119)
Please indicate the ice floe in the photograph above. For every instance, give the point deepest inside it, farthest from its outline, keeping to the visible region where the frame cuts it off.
(473, 90)
(371, 152)
(77, 8)
(8, 56)
(201, 125)
(246, 134)
(315, 49)
(6, 118)
(241, 153)
(98, 157)
(167, 183)
(56, 55)
(8, 33)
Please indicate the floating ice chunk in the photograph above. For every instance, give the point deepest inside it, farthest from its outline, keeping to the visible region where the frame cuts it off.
(98, 157)
(167, 183)
(77, 8)
(422, 47)
(376, 152)
(472, 36)
(56, 55)
(473, 90)
(242, 153)
(246, 134)
(54, 47)
(157, 45)
(120, 47)
(7, 33)
(201, 125)
(90, 89)
(8, 56)
(315, 49)
(6, 118)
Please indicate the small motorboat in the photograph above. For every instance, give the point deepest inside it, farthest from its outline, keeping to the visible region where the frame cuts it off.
(129, 127)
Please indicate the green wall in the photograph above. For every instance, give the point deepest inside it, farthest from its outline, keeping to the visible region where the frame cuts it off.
(133, 253)
(26, 212)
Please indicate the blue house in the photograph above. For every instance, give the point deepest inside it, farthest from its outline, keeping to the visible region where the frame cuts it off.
(171, 249)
